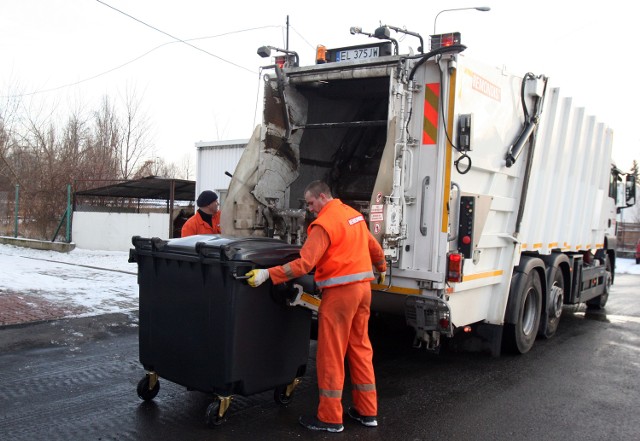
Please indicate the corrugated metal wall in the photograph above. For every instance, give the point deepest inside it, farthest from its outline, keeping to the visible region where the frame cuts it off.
(213, 159)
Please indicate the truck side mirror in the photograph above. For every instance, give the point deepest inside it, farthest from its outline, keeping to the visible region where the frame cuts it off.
(630, 190)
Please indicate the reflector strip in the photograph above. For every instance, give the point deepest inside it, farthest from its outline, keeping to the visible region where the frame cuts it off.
(395, 289)
(467, 278)
(430, 126)
(330, 393)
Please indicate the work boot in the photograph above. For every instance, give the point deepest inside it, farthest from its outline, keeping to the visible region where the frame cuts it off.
(313, 423)
(369, 421)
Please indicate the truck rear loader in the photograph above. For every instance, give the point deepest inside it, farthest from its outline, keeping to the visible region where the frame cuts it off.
(492, 195)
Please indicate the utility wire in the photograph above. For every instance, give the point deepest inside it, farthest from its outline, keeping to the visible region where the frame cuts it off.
(303, 39)
(176, 38)
(134, 60)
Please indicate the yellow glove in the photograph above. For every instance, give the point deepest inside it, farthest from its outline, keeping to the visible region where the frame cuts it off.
(381, 277)
(257, 277)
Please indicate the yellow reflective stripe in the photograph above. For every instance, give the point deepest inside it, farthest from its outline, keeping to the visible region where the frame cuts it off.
(364, 387)
(484, 275)
(448, 159)
(395, 289)
(330, 393)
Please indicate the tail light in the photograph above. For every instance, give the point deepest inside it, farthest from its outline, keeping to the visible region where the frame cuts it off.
(281, 60)
(454, 267)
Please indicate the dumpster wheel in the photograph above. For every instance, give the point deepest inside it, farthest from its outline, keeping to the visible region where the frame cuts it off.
(215, 414)
(284, 394)
(148, 387)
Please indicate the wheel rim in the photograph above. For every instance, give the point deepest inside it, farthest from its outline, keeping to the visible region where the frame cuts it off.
(529, 313)
(557, 300)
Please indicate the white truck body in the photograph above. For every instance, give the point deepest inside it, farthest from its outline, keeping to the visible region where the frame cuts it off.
(393, 136)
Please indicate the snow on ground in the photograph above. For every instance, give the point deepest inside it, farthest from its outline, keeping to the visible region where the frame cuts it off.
(627, 266)
(99, 282)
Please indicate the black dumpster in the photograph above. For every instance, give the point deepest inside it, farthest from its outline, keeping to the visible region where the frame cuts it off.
(203, 327)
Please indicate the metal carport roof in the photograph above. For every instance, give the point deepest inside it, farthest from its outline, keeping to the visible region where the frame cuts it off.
(151, 187)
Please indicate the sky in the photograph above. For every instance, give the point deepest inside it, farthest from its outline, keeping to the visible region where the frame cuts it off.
(70, 53)
(97, 282)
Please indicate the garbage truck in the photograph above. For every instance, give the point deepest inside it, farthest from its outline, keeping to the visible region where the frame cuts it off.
(493, 195)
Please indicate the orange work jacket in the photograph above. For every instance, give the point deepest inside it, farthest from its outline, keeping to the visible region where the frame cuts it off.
(347, 259)
(196, 225)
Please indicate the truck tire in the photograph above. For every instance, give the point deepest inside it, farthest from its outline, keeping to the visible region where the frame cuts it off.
(527, 297)
(600, 301)
(555, 301)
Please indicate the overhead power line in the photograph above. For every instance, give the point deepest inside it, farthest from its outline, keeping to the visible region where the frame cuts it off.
(134, 60)
(176, 38)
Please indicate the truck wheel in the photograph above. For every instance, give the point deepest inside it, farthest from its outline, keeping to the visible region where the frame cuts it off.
(555, 301)
(600, 301)
(520, 336)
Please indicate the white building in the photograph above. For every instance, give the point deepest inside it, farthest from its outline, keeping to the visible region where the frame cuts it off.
(213, 160)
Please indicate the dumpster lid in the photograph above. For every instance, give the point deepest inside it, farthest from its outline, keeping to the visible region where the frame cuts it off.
(262, 251)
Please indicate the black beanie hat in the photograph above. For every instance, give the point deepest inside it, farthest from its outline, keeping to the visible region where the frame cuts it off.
(206, 198)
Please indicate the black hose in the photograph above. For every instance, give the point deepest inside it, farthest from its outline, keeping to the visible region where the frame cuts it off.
(441, 50)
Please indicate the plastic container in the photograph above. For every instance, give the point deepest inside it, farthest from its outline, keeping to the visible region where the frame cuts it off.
(203, 327)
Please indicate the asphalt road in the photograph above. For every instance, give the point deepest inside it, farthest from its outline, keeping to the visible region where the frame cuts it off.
(76, 380)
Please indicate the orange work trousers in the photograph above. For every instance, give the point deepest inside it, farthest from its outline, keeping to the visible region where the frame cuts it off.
(343, 320)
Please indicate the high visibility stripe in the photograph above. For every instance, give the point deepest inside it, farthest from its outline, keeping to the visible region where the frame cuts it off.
(288, 271)
(364, 387)
(395, 289)
(467, 278)
(341, 280)
(430, 125)
(330, 393)
(448, 155)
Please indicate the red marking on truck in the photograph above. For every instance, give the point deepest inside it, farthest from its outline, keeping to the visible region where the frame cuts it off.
(430, 125)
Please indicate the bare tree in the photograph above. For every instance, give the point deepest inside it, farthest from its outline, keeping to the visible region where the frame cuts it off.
(187, 168)
(44, 155)
(135, 142)
(157, 167)
(105, 140)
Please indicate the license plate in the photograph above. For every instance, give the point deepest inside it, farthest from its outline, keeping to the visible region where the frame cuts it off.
(363, 53)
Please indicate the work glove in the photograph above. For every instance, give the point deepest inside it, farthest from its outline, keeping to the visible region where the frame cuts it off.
(381, 277)
(257, 277)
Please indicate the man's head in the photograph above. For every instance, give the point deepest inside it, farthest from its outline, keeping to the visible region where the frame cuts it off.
(208, 202)
(317, 195)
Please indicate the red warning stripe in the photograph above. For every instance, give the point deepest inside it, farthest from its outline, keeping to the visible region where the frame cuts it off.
(430, 126)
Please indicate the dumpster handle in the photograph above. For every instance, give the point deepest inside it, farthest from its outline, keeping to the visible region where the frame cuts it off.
(237, 277)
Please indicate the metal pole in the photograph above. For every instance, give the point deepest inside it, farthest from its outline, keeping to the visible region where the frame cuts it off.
(68, 236)
(287, 46)
(477, 8)
(15, 209)
(172, 196)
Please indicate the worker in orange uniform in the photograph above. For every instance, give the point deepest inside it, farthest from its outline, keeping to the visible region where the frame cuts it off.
(207, 219)
(343, 250)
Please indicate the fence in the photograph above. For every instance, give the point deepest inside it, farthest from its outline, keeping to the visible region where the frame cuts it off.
(628, 237)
